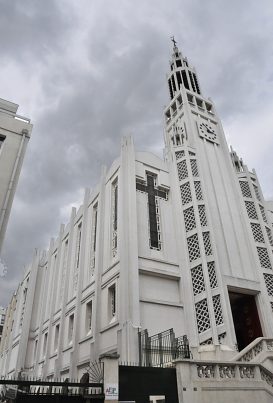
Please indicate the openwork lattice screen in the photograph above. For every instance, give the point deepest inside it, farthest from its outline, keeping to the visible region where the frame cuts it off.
(245, 189)
(194, 168)
(198, 283)
(257, 232)
(202, 215)
(257, 193)
(263, 213)
(212, 275)
(193, 247)
(251, 211)
(185, 191)
(189, 219)
(264, 258)
(198, 190)
(182, 170)
(179, 154)
(202, 316)
(269, 283)
(207, 243)
(217, 310)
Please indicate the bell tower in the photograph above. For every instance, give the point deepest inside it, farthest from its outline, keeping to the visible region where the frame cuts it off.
(217, 255)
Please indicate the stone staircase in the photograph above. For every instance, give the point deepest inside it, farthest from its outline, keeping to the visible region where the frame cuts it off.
(260, 351)
(247, 376)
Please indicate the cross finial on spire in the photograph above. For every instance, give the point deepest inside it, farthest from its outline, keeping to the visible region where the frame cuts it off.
(174, 41)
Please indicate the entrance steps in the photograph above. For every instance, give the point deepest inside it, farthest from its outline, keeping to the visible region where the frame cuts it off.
(259, 351)
(248, 375)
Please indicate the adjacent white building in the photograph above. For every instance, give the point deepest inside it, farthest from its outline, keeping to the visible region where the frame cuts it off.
(183, 242)
(15, 132)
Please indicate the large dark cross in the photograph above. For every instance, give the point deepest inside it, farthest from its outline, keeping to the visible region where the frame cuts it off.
(152, 192)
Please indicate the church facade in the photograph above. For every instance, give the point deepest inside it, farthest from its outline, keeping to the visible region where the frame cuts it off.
(183, 242)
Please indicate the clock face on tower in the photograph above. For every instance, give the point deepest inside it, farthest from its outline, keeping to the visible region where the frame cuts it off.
(208, 132)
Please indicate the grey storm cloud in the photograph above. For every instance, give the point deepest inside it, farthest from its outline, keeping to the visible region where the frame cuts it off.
(87, 73)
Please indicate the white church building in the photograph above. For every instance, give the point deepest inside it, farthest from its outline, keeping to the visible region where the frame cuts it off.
(182, 242)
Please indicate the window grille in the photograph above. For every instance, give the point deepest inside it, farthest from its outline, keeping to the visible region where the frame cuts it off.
(264, 258)
(257, 232)
(268, 278)
(212, 275)
(189, 219)
(217, 310)
(194, 168)
(179, 154)
(191, 153)
(263, 213)
(198, 190)
(185, 191)
(269, 235)
(257, 193)
(198, 283)
(251, 210)
(202, 215)
(202, 316)
(182, 170)
(193, 247)
(271, 303)
(245, 189)
(207, 244)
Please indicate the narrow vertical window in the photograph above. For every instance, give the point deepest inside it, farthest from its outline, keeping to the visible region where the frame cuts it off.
(78, 246)
(94, 237)
(56, 337)
(112, 301)
(24, 303)
(35, 351)
(78, 254)
(64, 269)
(114, 218)
(88, 321)
(45, 344)
(70, 328)
(2, 139)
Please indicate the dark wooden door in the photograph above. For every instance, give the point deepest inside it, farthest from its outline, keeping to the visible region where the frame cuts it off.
(246, 319)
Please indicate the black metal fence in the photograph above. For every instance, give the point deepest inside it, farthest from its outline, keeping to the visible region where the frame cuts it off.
(161, 349)
(14, 389)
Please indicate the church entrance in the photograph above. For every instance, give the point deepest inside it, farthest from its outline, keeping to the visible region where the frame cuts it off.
(245, 318)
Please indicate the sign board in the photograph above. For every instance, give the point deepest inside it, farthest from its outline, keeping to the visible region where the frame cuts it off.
(111, 391)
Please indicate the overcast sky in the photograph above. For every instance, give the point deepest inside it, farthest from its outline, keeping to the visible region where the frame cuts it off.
(88, 72)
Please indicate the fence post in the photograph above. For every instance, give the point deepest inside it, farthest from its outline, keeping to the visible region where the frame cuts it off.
(111, 377)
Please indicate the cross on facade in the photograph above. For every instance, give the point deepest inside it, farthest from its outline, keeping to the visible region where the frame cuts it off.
(174, 41)
(153, 194)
